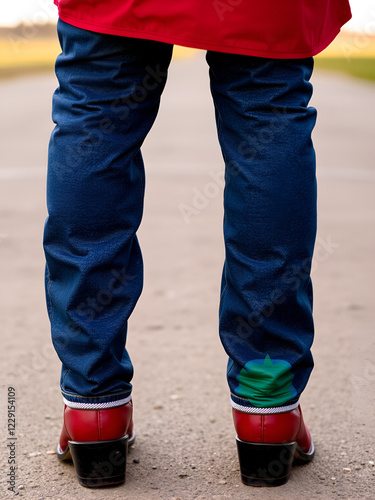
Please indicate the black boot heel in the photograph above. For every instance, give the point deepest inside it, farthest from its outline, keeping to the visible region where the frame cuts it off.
(265, 464)
(100, 463)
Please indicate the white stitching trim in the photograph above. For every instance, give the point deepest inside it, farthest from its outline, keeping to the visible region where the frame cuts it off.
(96, 406)
(263, 411)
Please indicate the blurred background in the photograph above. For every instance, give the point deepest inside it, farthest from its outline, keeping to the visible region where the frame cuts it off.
(173, 336)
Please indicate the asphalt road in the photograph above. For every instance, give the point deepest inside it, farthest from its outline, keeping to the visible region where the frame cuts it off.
(182, 411)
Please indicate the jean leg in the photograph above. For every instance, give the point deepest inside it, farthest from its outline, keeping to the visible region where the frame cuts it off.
(107, 100)
(264, 128)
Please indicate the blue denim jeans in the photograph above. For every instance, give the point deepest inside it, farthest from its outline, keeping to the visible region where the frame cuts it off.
(107, 100)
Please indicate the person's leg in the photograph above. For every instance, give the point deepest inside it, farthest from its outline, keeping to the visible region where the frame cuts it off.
(107, 100)
(266, 324)
(264, 127)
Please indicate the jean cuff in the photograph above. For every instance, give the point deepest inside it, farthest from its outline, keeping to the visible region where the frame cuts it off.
(243, 405)
(96, 403)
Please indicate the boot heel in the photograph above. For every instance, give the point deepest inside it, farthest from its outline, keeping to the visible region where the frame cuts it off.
(265, 464)
(100, 463)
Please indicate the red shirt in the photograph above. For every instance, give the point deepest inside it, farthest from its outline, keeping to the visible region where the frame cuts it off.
(263, 28)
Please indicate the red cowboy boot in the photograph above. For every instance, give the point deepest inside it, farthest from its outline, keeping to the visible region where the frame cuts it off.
(268, 443)
(97, 441)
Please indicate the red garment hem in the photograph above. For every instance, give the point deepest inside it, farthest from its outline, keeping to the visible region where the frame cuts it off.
(110, 30)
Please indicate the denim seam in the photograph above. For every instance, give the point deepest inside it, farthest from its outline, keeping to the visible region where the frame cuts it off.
(231, 364)
(48, 293)
(50, 314)
(218, 121)
(63, 379)
(222, 295)
(140, 168)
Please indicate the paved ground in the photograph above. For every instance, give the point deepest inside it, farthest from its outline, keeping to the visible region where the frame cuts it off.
(182, 412)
